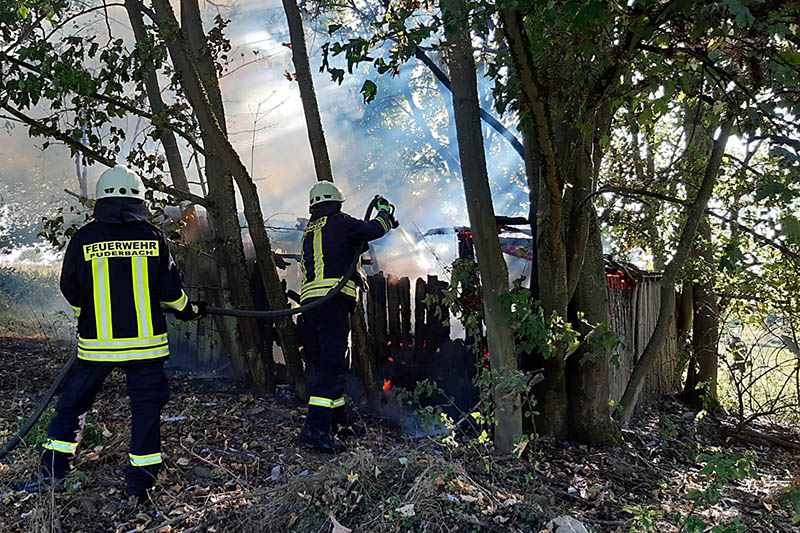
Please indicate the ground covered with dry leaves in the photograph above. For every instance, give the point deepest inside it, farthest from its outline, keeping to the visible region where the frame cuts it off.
(233, 464)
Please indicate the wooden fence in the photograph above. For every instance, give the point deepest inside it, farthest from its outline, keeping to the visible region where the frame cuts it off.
(634, 305)
(397, 315)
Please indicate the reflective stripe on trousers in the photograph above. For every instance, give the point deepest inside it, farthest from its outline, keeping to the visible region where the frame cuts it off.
(145, 460)
(325, 402)
(61, 446)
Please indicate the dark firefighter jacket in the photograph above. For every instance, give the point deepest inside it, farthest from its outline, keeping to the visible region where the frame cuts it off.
(117, 272)
(330, 241)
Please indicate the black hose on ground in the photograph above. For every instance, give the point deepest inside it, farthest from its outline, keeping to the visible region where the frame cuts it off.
(45, 401)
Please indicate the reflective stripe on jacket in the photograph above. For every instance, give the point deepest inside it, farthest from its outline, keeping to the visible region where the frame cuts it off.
(116, 276)
(330, 241)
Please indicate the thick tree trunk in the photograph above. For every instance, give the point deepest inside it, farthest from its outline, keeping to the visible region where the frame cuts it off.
(551, 393)
(701, 382)
(214, 127)
(218, 145)
(667, 309)
(316, 135)
(533, 172)
(239, 339)
(224, 217)
(494, 274)
(589, 390)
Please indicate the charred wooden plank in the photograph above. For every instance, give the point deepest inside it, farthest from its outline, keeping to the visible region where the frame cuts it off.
(404, 298)
(377, 315)
(393, 309)
(438, 317)
(420, 329)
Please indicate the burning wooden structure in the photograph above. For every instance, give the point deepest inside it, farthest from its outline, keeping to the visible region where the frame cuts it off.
(407, 340)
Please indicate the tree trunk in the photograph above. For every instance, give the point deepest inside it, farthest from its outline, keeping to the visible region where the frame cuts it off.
(533, 172)
(588, 379)
(551, 247)
(217, 143)
(316, 135)
(240, 339)
(667, 309)
(494, 274)
(701, 382)
(166, 136)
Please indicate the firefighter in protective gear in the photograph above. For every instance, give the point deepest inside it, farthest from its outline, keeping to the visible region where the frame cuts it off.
(116, 275)
(330, 241)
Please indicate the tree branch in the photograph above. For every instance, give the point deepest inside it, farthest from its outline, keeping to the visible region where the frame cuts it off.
(533, 99)
(485, 115)
(631, 192)
(39, 128)
(114, 102)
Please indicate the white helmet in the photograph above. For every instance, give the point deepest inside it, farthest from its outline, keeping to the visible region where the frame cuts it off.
(324, 191)
(119, 182)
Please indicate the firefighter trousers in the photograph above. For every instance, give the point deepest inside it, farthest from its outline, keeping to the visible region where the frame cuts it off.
(327, 339)
(148, 391)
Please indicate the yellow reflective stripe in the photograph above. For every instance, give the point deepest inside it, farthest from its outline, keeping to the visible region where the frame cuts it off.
(96, 281)
(383, 223)
(347, 290)
(141, 296)
(325, 284)
(319, 261)
(179, 304)
(76, 310)
(319, 401)
(102, 298)
(61, 446)
(145, 460)
(107, 359)
(143, 351)
(107, 292)
(122, 343)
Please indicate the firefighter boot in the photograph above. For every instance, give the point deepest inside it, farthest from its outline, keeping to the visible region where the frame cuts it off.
(321, 440)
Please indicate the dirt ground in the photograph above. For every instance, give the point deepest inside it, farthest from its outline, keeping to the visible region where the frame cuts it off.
(233, 464)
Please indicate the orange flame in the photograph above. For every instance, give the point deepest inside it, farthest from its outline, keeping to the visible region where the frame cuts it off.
(387, 384)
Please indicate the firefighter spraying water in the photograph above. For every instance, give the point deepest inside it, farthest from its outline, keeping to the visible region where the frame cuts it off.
(120, 279)
(330, 240)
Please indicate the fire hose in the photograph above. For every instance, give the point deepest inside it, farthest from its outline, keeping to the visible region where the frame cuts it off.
(48, 397)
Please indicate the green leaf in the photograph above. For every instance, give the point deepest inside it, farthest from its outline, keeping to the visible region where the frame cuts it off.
(369, 90)
(743, 16)
(337, 75)
(333, 27)
(790, 226)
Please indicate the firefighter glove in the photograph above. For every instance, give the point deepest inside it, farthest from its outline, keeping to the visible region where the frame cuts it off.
(382, 204)
(192, 311)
